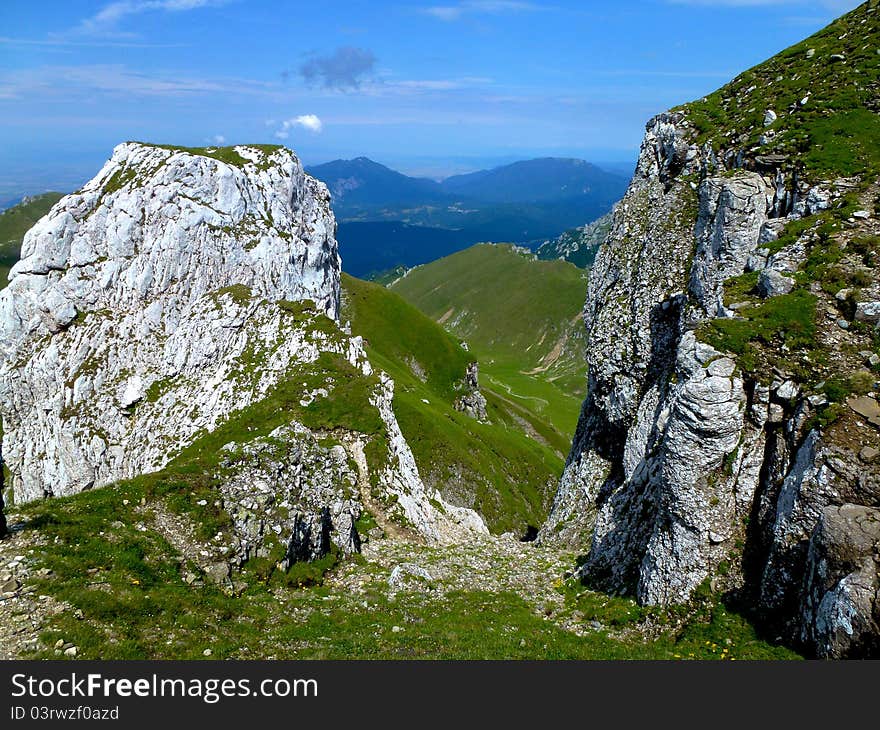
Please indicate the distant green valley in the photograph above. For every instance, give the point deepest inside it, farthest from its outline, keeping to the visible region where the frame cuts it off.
(519, 316)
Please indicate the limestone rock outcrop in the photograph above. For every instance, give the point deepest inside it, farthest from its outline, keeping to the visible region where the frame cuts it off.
(684, 470)
(288, 490)
(841, 604)
(732, 212)
(3, 526)
(173, 291)
(473, 402)
(133, 290)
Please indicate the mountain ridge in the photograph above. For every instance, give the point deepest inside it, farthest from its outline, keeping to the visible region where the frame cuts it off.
(384, 216)
(720, 444)
(512, 182)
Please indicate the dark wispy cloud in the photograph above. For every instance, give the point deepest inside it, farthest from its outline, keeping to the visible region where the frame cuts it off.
(345, 68)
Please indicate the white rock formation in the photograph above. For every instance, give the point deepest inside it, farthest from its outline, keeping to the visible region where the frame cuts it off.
(731, 215)
(174, 289)
(679, 462)
(124, 319)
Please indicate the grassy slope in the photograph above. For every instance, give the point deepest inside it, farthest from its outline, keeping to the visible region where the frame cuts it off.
(492, 467)
(14, 223)
(837, 132)
(125, 583)
(514, 312)
(132, 603)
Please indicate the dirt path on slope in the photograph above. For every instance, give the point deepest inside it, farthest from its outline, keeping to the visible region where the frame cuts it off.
(356, 450)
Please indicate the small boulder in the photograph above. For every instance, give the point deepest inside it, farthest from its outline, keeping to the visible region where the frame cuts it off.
(868, 312)
(10, 586)
(787, 390)
(769, 117)
(867, 408)
(403, 571)
(723, 367)
(773, 284)
(217, 572)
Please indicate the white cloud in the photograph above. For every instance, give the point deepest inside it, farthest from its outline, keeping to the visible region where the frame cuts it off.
(451, 13)
(426, 84)
(73, 81)
(307, 121)
(218, 139)
(444, 12)
(99, 43)
(108, 17)
(391, 87)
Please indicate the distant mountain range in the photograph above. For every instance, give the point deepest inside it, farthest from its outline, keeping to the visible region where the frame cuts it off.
(389, 219)
(363, 185)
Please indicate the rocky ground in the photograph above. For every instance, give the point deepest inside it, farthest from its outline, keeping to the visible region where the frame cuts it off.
(493, 564)
(23, 612)
(402, 567)
(391, 566)
(130, 587)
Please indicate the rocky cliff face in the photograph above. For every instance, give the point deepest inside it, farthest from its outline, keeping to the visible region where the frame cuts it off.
(146, 283)
(578, 245)
(172, 293)
(707, 451)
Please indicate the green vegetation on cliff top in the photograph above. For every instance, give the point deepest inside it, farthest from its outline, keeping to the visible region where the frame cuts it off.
(228, 154)
(825, 91)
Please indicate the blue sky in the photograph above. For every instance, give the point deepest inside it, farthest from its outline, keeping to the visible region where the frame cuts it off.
(428, 87)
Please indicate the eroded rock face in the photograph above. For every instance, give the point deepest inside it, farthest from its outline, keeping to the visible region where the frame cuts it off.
(174, 290)
(681, 470)
(288, 492)
(473, 402)
(731, 215)
(841, 601)
(134, 286)
(626, 339)
(3, 526)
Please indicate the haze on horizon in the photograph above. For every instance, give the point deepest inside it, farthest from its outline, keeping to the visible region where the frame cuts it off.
(430, 88)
